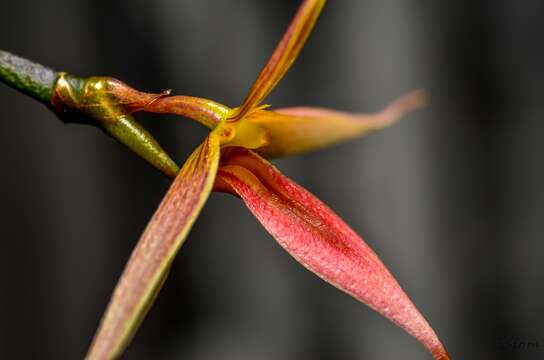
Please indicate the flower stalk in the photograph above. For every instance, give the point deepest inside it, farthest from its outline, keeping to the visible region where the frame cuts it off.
(99, 101)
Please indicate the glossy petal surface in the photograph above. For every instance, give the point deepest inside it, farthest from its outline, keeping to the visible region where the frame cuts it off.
(303, 129)
(316, 237)
(283, 57)
(148, 265)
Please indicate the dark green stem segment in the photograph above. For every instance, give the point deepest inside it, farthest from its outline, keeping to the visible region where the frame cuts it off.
(32, 79)
(88, 101)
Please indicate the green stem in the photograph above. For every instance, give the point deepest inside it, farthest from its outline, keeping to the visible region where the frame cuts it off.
(32, 79)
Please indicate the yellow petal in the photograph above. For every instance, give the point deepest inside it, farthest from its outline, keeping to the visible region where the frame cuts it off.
(296, 130)
(283, 57)
(149, 263)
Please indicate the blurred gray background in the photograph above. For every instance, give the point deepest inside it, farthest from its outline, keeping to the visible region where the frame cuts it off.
(451, 198)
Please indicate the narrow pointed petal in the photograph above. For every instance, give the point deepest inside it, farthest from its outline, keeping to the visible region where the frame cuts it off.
(149, 263)
(316, 237)
(301, 129)
(283, 57)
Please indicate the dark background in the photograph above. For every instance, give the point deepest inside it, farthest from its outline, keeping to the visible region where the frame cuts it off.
(451, 198)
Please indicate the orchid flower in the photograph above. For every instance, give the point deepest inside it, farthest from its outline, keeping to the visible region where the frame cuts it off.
(232, 159)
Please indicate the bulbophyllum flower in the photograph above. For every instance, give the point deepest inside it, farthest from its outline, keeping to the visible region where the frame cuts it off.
(232, 159)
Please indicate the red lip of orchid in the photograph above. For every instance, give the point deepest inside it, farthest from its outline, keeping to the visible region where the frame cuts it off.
(229, 160)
